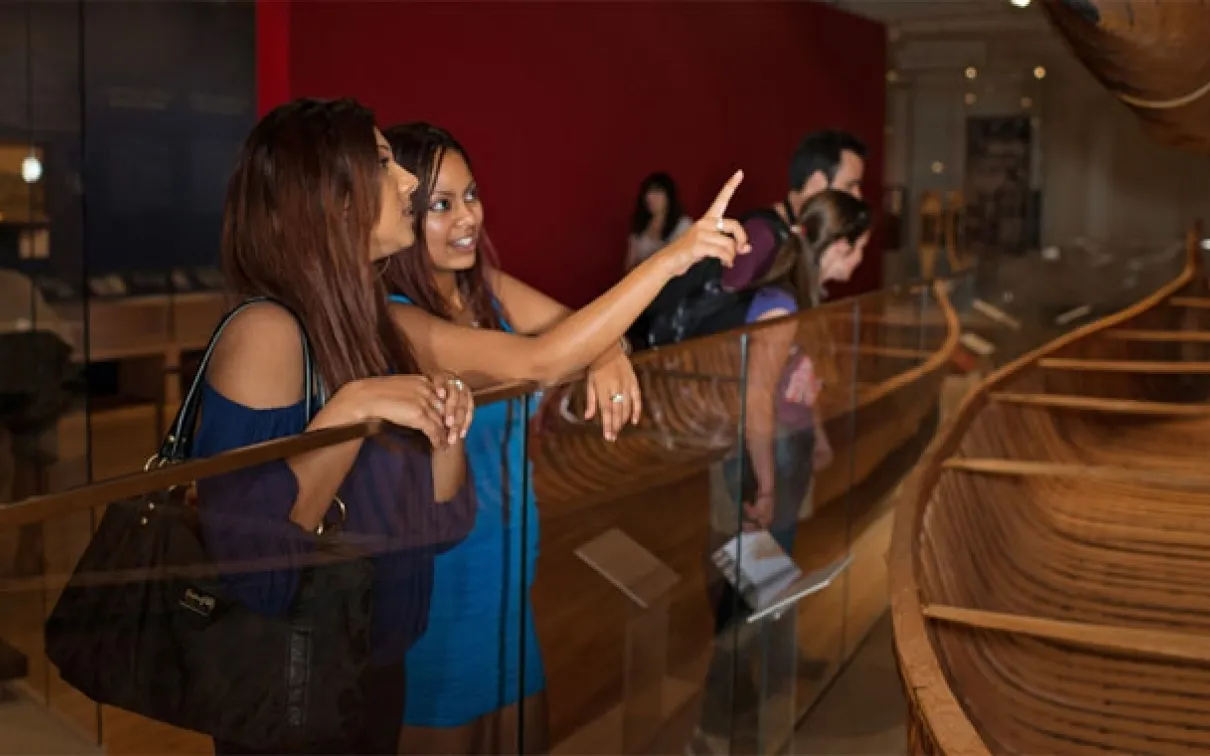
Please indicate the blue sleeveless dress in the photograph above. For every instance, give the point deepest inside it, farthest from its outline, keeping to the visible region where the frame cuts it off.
(481, 628)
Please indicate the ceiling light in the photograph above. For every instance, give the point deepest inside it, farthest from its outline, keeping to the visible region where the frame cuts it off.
(1040, 72)
(971, 72)
(1019, 3)
(892, 76)
(937, 166)
(31, 169)
(1027, 102)
(969, 98)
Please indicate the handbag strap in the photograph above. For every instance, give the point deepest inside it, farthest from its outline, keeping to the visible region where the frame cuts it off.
(179, 442)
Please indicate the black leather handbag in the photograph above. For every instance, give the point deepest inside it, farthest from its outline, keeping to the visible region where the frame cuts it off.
(143, 623)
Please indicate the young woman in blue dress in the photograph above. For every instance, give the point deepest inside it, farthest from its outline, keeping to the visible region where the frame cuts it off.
(317, 203)
(481, 656)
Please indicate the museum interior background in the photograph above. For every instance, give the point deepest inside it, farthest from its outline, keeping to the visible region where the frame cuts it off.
(996, 162)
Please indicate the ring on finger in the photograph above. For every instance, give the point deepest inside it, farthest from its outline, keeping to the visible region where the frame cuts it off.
(617, 398)
(720, 226)
(457, 383)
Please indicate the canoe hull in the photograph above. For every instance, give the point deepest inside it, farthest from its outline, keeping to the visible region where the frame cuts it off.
(1047, 556)
(1153, 55)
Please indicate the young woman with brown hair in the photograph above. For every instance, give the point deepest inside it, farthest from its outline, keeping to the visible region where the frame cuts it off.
(314, 207)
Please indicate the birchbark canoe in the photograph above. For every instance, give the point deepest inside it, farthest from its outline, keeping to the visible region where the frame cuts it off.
(1049, 557)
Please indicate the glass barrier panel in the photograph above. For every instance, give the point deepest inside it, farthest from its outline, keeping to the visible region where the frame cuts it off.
(627, 597)
(830, 347)
(43, 427)
(796, 400)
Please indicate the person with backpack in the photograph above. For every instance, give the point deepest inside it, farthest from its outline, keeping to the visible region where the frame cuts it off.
(783, 446)
(708, 298)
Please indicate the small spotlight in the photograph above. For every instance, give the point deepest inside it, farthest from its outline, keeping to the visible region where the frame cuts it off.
(892, 76)
(969, 98)
(31, 169)
(1040, 72)
(1027, 102)
(971, 72)
(1019, 3)
(938, 166)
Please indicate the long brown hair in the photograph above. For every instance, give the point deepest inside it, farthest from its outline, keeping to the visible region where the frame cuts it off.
(826, 218)
(297, 225)
(420, 148)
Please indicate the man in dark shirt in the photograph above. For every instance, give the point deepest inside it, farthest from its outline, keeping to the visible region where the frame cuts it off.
(829, 159)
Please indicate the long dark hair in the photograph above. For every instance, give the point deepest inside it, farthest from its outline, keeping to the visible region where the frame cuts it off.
(642, 214)
(298, 221)
(826, 218)
(420, 148)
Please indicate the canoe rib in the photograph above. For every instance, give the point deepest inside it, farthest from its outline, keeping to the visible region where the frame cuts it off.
(1195, 303)
(1140, 334)
(1099, 404)
(938, 722)
(1124, 366)
(1132, 641)
(1026, 468)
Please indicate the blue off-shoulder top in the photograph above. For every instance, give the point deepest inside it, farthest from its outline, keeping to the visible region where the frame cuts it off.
(389, 498)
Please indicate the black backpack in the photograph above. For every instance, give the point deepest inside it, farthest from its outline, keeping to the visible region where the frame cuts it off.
(695, 303)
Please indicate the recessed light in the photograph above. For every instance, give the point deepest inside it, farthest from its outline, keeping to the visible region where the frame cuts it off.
(971, 72)
(892, 76)
(1040, 72)
(969, 98)
(1019, 3)
(31, 169)
(937, 166)
(1027, 102)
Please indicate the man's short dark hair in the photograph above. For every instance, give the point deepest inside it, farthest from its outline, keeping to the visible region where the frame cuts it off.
(820, 151)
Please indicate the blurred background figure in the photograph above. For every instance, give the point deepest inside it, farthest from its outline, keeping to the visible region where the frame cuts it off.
(658, 218)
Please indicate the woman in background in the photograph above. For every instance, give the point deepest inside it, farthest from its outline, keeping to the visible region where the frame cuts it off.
(315, 204)
(658, 219)
(784, 442)
(827, 244)
(466, 677)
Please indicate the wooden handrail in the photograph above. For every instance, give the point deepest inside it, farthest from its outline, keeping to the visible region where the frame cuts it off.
(48, 506)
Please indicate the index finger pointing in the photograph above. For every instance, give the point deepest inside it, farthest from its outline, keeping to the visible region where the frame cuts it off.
(719, 206)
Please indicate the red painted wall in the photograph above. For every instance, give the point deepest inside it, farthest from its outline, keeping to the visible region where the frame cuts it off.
(566, 106)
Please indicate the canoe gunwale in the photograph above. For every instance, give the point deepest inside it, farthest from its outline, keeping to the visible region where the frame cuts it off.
(938, 723)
